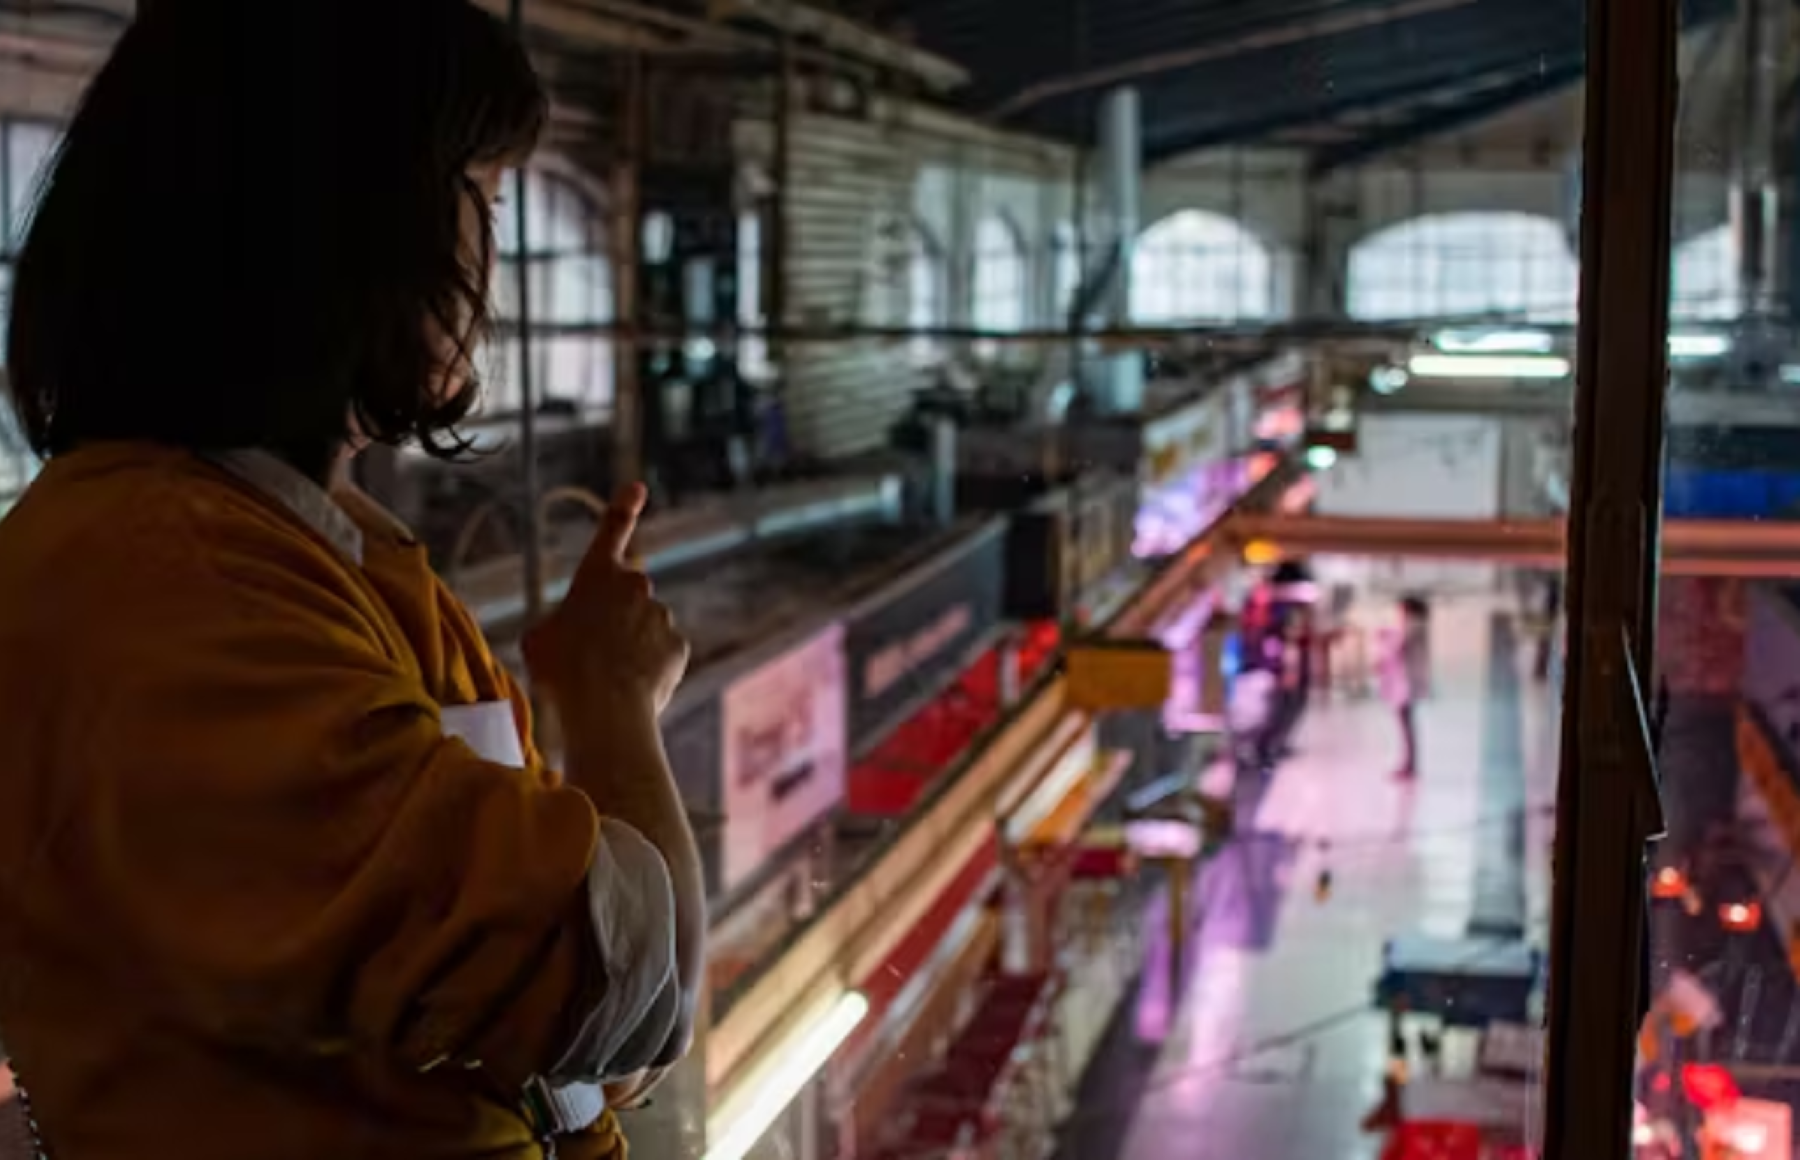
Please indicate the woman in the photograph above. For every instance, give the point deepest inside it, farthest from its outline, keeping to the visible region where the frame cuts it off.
(281, 873)
(1405, 674)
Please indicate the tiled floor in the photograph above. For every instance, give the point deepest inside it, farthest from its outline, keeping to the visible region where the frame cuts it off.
(1274, 1051)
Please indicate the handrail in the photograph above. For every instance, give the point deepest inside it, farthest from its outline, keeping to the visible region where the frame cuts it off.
(465, 536)
(1689, 547)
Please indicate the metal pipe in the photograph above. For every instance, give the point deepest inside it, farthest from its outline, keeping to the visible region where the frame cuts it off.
(1386, 336)
(528, 437)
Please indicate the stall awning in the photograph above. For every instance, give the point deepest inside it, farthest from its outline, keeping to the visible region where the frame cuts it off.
(922, 940)
(1063, 825)
(891, 779)
(962, 1102)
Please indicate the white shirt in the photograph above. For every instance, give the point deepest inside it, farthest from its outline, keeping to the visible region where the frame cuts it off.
(1404, 671)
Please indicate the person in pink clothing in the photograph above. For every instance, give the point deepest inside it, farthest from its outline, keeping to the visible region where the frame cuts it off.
(1405, 677)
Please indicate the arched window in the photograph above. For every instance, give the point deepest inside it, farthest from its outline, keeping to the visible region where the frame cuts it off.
(1194, 266)
(924, 296)
(998, 302)
(25, 147)
(1065, 270)
(570, 285)
(1513, 265)
(1703, 283)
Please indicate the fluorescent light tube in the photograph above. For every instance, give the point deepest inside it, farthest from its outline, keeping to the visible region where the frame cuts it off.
(747, 1113)
(1456, 366)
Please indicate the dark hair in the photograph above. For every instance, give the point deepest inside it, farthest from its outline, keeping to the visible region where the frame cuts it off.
(254, 225)
(1415, 607)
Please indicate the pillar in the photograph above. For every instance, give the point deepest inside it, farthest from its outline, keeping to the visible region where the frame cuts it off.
(1119, 168)
(1755, 204)
(1330, 230)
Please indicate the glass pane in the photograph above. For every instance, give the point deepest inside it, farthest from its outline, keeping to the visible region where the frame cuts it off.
(1195, 266)
(29, 145)
(1164, 765)
(1725, 921)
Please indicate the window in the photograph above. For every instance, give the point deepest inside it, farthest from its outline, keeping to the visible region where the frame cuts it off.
(1000, 280)
(25, 147)
(1065, 271)
(1703, 283)
(753, 349)
(570, 286)
(924, 297)
(1512, 265)
(1194, 266)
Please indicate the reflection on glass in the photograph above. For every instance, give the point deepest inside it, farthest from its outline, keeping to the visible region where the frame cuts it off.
(1197, 266)
(1715, 1064)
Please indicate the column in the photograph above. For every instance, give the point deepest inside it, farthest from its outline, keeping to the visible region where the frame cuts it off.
(1119, 166)
(1330, 230)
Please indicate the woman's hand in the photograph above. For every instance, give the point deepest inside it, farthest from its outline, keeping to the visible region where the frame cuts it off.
(609, 634)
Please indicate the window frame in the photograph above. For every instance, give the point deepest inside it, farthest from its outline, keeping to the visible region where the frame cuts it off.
(1607, 805)
(1493, 243)
(18, 464)
(925, 266)
(1233, 237)
(568, 207)
(999, 282)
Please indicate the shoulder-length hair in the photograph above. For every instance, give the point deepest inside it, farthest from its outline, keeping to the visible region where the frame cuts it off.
(252, 233)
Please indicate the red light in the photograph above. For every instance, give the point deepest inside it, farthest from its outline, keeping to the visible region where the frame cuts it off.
(1669, 884)
(1740, 917)
(1708, 1086)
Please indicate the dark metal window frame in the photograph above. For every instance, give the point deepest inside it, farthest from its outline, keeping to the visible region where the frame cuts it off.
(1608, 805)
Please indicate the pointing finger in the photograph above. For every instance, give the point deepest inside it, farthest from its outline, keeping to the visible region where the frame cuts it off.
(606, 553)
(621, 520)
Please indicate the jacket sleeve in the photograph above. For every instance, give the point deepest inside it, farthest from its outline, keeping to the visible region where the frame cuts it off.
(643, 1021)
(291, 851)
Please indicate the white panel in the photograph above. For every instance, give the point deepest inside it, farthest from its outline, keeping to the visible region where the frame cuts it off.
(784, 748)
(1419, 467)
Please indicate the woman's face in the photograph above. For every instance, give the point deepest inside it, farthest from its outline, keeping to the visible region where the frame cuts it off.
(476, 222)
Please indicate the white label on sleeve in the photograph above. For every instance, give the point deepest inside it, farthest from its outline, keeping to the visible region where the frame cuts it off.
(488, 728)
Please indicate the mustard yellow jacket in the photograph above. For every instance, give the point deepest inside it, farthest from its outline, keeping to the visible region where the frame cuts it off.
(254, 900)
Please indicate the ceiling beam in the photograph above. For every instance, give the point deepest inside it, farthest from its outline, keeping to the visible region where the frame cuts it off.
(1471, 110)
(1355, 18)
(1328, 106)
(846, 36)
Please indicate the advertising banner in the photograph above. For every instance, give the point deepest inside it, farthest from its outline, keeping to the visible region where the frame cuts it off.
(920, 631)
(784, 752)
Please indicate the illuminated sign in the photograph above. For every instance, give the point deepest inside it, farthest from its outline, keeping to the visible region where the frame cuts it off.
(784, 751)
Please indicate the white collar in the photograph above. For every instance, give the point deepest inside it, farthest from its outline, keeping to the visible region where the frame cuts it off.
(300, 495)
